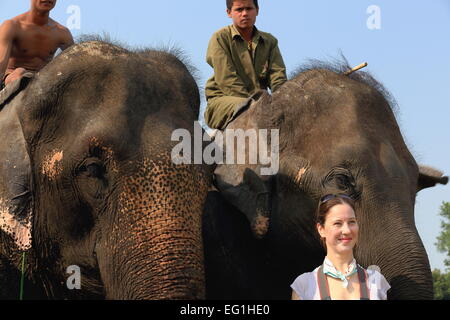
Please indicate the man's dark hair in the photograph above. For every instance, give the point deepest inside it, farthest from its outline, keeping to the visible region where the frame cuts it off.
(230, 4)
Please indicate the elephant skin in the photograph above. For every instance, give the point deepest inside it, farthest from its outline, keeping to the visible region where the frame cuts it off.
(87, 179)
(337, 134)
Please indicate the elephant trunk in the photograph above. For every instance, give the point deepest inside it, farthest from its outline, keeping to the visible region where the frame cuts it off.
(401, 256)
(166, 265)
(155, 247)
(409, 272)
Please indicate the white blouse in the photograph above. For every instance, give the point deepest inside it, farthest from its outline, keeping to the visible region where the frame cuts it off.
(307, 288)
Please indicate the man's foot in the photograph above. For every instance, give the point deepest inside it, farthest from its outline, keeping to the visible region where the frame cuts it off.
(13, 76)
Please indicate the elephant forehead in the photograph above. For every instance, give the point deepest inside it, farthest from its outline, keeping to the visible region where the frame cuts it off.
(95, 49)
(52, 165)
(391, 162)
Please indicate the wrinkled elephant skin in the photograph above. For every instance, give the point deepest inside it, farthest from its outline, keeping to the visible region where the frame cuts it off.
(88, 180)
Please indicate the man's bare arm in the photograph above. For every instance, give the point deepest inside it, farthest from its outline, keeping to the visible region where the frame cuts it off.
(7, 35)
(68, 39)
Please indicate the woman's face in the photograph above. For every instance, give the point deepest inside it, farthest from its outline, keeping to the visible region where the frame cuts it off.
(340, 230)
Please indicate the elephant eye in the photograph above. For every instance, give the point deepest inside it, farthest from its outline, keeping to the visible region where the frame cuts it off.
(92, 170)
(340, 179)
(343, 181)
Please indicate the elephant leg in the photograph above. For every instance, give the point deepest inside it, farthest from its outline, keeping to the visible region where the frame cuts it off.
(234, 259)
(9, 280)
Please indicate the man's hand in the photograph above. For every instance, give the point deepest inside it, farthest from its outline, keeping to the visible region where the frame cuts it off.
(7, 35)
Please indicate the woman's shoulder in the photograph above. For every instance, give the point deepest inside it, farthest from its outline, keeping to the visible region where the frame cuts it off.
(306, 280)
(307, 276)
(304, 285)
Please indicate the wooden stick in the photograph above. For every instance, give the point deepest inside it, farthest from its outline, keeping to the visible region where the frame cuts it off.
(361, 66)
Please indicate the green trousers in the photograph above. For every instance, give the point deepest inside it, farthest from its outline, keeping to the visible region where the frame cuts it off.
(220, 111)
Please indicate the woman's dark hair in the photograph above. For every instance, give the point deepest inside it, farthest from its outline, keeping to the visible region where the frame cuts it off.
(230, 4)
(326, 203)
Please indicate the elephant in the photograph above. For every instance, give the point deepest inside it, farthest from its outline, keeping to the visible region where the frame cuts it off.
(337, 135)
(88, 182)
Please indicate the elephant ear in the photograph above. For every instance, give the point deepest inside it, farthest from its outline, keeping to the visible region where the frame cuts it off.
(15, 168)
(248, 186)
(429, 177)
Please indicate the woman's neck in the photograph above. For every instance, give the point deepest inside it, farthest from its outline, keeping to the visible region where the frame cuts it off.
(340, 261)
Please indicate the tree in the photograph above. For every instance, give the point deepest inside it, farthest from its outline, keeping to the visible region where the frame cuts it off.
(443, 243)
(441, 283)
(441, 280)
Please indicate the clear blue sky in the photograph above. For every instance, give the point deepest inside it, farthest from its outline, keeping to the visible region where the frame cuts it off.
(410, 54)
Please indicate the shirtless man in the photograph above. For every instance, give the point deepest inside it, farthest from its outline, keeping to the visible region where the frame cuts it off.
(29, 41)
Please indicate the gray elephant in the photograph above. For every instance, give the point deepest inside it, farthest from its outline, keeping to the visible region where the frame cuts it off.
(337, 134)
(87, 179)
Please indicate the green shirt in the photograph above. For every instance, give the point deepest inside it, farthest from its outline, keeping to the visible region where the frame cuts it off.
(239, 73)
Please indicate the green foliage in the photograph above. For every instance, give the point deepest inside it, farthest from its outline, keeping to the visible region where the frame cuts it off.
(441, 283)
(441, 280)
(443, 243)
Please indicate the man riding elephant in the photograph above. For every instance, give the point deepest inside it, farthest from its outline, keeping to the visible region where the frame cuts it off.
(245, 61)
(29, 41)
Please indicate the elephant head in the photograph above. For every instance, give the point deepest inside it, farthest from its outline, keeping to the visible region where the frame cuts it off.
(88, 178)
(337, 134)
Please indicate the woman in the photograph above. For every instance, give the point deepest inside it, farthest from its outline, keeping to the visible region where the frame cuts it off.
(339, 278)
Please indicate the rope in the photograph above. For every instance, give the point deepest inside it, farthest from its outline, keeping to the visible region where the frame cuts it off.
(22, 280)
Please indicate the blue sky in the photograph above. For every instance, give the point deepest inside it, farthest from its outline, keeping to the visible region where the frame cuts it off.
(409, 54)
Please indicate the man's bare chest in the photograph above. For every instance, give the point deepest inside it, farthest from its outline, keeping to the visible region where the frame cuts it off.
(36, 43)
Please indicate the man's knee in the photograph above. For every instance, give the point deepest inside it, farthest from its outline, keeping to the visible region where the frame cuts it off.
(16, 74)
(220, 110)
